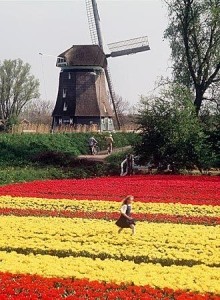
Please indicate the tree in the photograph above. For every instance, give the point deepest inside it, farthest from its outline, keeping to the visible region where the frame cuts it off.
(122, 108)
(194, 35)
(38, 112)
(170, 132)
(17, 87)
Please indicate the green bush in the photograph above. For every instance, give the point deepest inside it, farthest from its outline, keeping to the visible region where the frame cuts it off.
(118, 157)
(29, 173)
(214, 140)
(173, 134)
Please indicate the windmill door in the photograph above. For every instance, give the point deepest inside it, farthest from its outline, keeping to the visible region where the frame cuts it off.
(106, 124)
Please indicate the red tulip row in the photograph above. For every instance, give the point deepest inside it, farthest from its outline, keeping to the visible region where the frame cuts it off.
(150, 188)
(158, 218)
(36, 287)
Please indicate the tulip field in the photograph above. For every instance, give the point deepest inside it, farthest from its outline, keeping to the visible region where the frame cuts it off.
(58, 239)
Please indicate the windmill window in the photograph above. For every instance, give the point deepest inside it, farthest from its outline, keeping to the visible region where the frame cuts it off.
(64, 93)
(64, 107)
(61, 62)
(69, 75)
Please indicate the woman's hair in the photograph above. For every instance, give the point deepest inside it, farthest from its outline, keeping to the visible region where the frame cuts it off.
(125, 201)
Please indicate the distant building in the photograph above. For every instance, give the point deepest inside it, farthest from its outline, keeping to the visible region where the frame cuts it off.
(24, 122)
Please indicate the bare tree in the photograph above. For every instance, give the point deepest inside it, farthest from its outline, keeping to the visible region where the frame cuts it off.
(122, 108)
(38, 112)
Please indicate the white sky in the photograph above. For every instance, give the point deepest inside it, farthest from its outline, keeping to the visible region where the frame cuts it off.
(50, 27)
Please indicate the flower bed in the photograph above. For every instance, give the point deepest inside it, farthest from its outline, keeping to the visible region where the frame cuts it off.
(59, 239)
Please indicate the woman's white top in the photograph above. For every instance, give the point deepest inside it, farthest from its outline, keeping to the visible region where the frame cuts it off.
(124, 208)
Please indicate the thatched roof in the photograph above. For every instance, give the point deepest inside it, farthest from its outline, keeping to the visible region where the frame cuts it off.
(84, 55)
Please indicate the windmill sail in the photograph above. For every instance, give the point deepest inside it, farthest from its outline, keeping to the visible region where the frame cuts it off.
(127, 47)
(92, 23)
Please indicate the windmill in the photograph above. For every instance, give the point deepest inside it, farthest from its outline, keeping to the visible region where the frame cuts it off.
(82, 95)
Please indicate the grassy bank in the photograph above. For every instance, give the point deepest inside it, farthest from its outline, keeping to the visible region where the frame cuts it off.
(29, 157)
(23, 149)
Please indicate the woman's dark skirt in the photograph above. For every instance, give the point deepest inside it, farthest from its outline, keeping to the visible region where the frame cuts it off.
(123, 222)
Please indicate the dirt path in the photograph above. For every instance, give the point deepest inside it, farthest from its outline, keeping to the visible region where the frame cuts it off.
(100, 157)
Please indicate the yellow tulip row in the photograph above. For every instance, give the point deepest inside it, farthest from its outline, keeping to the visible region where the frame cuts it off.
(108, 206)
(197, 278)
(167, 244)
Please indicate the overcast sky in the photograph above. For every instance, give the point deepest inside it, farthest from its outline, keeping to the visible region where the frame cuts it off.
(50, 27)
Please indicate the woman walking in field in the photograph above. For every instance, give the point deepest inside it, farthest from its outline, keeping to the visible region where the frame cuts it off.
(125, 221)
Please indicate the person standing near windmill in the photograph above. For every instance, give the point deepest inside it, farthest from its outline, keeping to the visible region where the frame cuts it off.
(109, 142)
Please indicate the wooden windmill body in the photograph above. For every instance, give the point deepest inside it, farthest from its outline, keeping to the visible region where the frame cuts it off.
(82, 95)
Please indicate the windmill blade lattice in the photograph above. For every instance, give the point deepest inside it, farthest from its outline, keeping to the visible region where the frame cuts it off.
(92, 23)
(127, 47)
